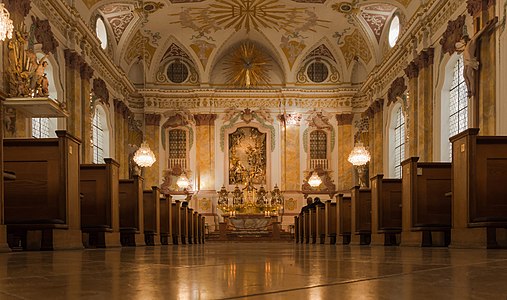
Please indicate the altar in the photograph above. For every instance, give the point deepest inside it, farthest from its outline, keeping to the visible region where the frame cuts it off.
(246, 226)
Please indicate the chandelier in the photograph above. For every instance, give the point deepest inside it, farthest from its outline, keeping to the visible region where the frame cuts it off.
(144, 157)
(359, 155)
(314, 180)
(183, 181)
(6, 26)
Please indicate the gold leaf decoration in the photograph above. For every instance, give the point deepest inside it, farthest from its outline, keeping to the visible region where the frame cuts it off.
(247, 66)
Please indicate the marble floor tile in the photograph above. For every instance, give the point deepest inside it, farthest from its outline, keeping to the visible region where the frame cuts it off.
(255, 271)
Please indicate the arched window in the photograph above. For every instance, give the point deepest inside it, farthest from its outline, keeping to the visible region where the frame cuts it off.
(43, 127)
(100, 30)
(397, 141)
(177, 145)
(100, 135)
(458, 102)
(394, 31)
(318, 149)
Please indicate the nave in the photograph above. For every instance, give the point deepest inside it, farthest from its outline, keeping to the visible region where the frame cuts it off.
(255, 271)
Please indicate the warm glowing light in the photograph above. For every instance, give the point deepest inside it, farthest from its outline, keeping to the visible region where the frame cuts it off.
(144, 157)
(6, 26)
(182, 181)
(314, 180)
(359, 155)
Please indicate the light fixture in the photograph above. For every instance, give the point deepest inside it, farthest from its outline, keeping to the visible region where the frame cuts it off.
(359, 156)
(144, 157)
(6, 26)
(314, 180)
(182, 181)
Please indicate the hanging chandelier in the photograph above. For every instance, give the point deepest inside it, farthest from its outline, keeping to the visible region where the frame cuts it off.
(144, 157)
(183, 181)
(359, 156)
(314, 180)
(6, 26)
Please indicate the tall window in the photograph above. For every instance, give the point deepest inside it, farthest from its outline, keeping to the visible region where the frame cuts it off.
(177, 148)
(458, 102)
(318, 149)
(399, 141)
(40, 128)
(100, 135)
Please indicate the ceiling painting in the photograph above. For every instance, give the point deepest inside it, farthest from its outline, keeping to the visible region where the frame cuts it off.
(137, 46)
(376, 17)
(354, 47)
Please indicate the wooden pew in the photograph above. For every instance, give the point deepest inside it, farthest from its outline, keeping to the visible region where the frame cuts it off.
(203, 229)
(361, 216)
(426, 211)
(343, 211)
(479, 190)
(131, 212)
(151, 211)
(166, 237)
(100, 208)
(386, 211)
(195, 228)
(320, 223)
(296, 228)
(190, 225)
(176, 221)
(330, 223)
(42, 206)
(184, 222)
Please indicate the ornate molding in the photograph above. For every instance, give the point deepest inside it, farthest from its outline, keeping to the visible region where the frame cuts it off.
(452, 35)
(44, 35)
(205, 119)
(100, 90)
(72, 59)
(18, 9)
(344, 119)
(398, 87)
(412, 70)
(378, 105)
(425, 58)
(86, 71)
(152, 119)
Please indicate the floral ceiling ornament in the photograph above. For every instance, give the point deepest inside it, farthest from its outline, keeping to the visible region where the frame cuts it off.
(247, 66)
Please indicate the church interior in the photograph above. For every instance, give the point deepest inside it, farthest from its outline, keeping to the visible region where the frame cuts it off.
(223, 149)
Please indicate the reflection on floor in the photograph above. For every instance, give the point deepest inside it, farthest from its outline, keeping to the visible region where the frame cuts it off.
(256, 270)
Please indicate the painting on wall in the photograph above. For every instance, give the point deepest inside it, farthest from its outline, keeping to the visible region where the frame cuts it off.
(247, 156)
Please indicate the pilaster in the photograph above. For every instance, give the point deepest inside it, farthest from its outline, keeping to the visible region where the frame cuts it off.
(291, 165)
(152, 136)
(205, 151)
(412, 72)
(378, 109)
(73, 62)
(345, 145)
(86, 73)
(425, 107)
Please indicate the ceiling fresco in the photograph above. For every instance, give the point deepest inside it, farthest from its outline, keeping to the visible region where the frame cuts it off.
(291, 29)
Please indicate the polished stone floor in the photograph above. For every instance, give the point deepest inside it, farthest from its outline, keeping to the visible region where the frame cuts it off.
(255, 271)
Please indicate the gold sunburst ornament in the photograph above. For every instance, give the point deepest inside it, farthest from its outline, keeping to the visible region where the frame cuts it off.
(247, 66)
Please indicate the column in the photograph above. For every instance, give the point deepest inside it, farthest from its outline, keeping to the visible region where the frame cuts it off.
(378, 109)
(291, 162)
(345, 145)
(73, 62)
(86, 73)
(425, 109)
(412, 125)
(205, 152)
(152, 136)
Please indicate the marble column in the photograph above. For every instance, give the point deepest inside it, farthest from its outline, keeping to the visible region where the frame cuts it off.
(73, 62)
(120, 138)
(152, 136)
(370, 142)
(205, 152)
(345, 145)
(412, 126)
(291, 162)
(86, 73)
(378, 109)
(425, 105)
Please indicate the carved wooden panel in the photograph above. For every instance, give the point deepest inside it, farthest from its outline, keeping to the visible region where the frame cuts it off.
(96, 205)
(130, 203)
(345, 216)
(390, 205)
(363, 211)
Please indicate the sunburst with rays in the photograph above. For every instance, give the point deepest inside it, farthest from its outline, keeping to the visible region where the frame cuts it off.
(247, 66)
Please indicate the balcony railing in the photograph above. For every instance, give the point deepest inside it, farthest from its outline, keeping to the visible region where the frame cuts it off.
(173, 162)
(319, 163)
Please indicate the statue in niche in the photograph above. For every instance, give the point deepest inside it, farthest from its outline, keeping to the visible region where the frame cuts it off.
(468, 48)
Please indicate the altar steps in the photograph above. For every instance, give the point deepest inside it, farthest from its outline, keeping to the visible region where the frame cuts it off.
(249, 237)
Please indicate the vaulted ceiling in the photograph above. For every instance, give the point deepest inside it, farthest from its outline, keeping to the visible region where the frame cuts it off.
(203, 32)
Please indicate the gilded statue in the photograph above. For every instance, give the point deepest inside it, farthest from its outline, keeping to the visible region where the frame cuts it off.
(26, 73)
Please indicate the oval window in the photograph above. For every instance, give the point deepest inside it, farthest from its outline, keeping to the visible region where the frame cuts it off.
(177, 72)
(394, 31)
(100, 30)
(317, 72)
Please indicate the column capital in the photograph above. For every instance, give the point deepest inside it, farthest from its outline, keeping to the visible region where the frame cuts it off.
(412, 70)
(344, 119)
(205, 119)
(152, 119)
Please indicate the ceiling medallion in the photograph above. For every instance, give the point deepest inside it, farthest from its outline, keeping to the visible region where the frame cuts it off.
(343, 7)
(247, 66)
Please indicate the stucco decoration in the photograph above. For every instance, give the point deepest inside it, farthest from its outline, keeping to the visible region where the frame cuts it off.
(119, 17)
(376, 16)
(320, 54)
(355, 46)
(453, 34)
(135, 49)
(41, 30)
(100, 90)
(176, 55)
(247, 66)
(292, 46)
(398, 87)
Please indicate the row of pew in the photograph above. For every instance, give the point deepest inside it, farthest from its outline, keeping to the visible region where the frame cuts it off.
(458, 204)
(57, 203)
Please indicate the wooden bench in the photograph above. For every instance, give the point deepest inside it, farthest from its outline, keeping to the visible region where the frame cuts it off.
(42, 206)
(317, 222)
(331, 219)
(361, 216)
(166, 237)
(386, 211)
(296, 228)
(479, 190)
(151, 211)
(131, 212)
(343, 211)
(100, 211)
(426, 211)
(176, 221)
